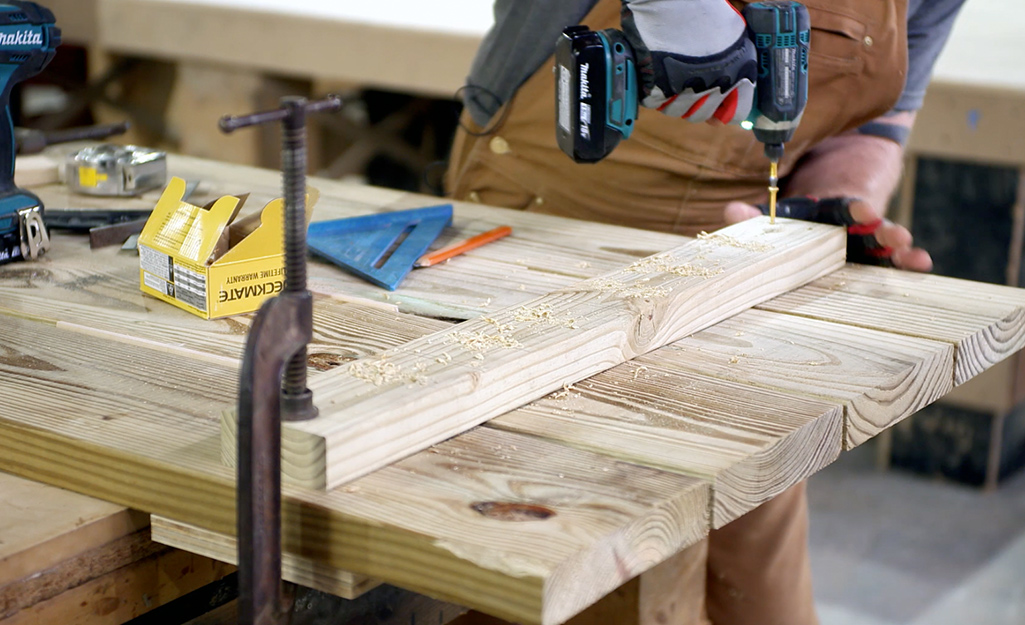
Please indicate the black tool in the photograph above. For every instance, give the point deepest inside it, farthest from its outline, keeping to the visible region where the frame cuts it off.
(32, 141)
(273, 380)
(862, 245)
(28, 41)
(82, 220)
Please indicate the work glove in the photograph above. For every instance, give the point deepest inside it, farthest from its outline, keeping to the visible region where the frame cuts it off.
(694, 58)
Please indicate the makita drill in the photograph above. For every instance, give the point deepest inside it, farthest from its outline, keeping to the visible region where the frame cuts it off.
(597, 84)
(28, 41)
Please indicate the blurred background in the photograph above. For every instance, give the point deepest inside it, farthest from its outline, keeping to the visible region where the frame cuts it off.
(925, 525)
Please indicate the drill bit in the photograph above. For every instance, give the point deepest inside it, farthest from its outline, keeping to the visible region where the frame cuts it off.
(773, 189)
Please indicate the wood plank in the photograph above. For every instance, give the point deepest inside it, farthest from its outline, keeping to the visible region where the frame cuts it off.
(985, 322)
(46, 583)
(298, 569)
(125, 593)
(879, 378)
(42, 526)
(379, 410)
(751, 443)
(468, 522)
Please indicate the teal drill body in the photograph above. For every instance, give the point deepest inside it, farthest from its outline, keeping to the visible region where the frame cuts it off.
(782, 33)
(28, 42)
(598, 90)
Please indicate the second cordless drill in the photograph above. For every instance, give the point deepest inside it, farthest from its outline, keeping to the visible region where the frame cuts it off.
(28, 41)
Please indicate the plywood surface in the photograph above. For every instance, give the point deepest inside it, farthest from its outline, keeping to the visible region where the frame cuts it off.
(536, 515)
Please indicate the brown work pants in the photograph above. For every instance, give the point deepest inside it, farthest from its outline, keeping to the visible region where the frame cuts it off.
(676, 176)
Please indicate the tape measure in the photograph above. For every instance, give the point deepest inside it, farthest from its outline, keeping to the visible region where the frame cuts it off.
(120, 170)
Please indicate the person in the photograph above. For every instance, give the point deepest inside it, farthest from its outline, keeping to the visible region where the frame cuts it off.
(870, 62)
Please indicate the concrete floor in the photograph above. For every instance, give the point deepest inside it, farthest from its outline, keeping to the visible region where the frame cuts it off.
(898, 549)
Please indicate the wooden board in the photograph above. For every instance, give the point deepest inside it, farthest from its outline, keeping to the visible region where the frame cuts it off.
(752, 444)
(879, 378)
(42, 526)
(127, 592)
(294, 568)
(330, 41)
(542, 530)
(984, 322)
(133, 394)
(378, 410)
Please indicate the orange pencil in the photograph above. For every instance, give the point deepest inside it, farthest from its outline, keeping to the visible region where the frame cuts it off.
(445, 253)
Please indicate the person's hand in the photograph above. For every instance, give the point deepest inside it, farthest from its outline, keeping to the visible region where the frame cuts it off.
(694, 58)
(903, 253)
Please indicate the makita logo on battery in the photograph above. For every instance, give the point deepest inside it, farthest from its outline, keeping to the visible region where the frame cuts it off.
(21, 38)
(585, 86)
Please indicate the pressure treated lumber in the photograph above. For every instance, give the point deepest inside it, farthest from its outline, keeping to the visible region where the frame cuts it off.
(512, 525)
(379, 410)
(294, 568)
(984, 322)
(42, 526)
(751, 443)
(878, 377)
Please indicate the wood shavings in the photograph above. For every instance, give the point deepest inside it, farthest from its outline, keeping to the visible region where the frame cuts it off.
(479, 343)
(377, 372)
(501, 328)
(444, 358)
(583, 264)
(543, 314)
(639, 370)
(628, 291)
(717, 238)
(664, 263)
(565, 393)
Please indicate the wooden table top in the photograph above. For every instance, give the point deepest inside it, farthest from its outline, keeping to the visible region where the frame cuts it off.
(540, 512)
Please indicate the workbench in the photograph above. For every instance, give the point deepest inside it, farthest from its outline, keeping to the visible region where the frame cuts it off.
(541, 512)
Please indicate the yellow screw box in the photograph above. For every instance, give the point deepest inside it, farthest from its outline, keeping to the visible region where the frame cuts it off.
(200, 259)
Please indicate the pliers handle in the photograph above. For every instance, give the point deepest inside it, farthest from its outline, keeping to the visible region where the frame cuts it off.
(862, 245)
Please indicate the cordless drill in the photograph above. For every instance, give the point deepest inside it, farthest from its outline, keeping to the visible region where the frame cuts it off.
(597, 85)
(28, 41)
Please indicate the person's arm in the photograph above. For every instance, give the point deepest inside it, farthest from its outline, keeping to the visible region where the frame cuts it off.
(866, 163)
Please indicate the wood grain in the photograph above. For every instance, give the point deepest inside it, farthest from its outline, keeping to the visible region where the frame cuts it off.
(879, 378)
(985, 322)
(751, 443)
(42, 526)
(125, 593)
(224, 548)
(379, 410)
(46, 583)
(137, 427)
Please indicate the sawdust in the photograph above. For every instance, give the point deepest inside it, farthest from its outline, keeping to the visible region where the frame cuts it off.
(479, 343)
(628, 291)
(543, 314)
(568, 390)
(377, 372)
(664, 263)
(717, 238)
